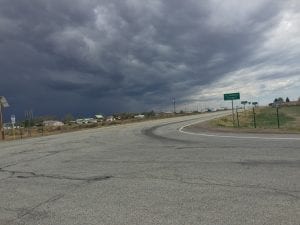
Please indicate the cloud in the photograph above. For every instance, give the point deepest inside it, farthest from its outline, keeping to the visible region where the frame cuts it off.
(136, 55)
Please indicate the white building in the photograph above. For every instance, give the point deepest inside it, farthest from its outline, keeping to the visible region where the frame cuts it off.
(110, 118)
(86, 121)
(140, 116)
(99, 117)
(53, 123)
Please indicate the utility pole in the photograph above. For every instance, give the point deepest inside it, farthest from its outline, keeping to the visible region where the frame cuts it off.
(29, 119)
(174, 105)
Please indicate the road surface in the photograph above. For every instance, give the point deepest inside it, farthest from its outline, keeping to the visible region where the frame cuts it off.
(154, 172)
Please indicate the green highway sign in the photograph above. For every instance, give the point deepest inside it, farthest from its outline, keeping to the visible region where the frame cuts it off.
(231, 96)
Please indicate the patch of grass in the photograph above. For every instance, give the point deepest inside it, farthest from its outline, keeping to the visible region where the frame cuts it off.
(222, 122)
(266, 118)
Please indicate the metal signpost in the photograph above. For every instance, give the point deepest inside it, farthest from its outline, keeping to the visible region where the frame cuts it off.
(3, 104)
(254, 118)
(237, 117)
(231, 97)
(244, 103)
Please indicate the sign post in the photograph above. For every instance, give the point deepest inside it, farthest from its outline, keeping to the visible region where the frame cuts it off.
(3, 103)
(254, 118)
(231, 97)
(237, 117)
(1, 122)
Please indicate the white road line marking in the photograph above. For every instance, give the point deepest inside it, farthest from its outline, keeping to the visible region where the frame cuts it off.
(231, 136)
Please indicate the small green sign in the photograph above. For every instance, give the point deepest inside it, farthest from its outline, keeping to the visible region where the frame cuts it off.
(231, 96)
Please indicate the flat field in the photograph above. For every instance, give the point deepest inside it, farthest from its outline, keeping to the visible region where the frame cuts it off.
(265, 120)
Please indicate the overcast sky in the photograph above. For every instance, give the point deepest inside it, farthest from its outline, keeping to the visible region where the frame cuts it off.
(105, 56)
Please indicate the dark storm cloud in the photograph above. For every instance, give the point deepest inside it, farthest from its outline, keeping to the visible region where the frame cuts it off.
(111, 52)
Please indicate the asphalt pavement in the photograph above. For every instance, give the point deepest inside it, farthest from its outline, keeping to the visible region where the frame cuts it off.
(154, 172)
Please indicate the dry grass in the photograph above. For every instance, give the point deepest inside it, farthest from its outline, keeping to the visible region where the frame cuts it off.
(266, 120)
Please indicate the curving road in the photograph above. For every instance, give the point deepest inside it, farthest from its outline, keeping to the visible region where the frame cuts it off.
(156, 172)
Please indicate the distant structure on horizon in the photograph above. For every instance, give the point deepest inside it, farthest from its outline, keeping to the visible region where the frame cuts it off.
(52, 123)
(290, 103)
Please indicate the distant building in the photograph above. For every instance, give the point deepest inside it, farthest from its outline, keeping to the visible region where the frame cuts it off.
(140, 116)
(290, 103)
(86, 121)
(91, 120)
(110, 118)
(99, 117)
(7, 126)
(80, 121)
(53, 123)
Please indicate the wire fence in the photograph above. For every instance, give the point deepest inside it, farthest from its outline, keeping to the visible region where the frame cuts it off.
(272, 117)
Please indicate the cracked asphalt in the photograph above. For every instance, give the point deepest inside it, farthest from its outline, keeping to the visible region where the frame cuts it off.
(149, 173)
